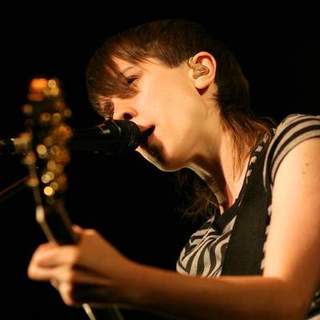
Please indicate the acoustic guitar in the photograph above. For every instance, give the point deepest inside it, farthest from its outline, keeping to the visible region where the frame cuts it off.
(46, 156)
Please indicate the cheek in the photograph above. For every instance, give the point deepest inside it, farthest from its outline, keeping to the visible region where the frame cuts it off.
(176, 130)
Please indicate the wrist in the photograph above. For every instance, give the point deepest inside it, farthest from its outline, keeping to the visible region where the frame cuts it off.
(132, 285)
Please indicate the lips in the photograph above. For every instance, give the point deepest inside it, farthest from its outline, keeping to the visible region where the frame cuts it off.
(145, 137)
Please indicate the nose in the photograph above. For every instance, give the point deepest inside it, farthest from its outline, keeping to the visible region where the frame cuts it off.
(127, 116)
(124, 112)
(124, 115)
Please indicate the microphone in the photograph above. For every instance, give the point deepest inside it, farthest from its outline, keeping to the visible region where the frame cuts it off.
(112, 137)
(10, 146)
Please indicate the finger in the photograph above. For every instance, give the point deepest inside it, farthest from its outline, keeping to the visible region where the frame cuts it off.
(79, 276)
(38, 273)
(55, 283)
(66, 292)
(77, 229)
(43, 248)
(85, 277)
(56, 256)
(47, 246)
(77, 287)
(87, 287)
(66, 274)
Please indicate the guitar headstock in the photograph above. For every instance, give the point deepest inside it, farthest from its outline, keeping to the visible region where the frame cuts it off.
(47, 155)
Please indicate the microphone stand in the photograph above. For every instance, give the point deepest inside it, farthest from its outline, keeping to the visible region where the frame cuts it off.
(13, 188)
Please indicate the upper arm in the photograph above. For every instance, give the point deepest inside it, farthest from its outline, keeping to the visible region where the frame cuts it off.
(293, 243)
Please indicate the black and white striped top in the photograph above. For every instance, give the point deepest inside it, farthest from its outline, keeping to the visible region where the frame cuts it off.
(204, 253)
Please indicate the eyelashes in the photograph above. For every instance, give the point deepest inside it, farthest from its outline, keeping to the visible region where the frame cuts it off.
(131, 80)
(129, 89)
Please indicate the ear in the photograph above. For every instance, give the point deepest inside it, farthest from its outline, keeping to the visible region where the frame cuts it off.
(202, 69)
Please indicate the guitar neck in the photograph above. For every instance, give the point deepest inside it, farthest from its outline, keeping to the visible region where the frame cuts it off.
(46, 157)
(56, 224)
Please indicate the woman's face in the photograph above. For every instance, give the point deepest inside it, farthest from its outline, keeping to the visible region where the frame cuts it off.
(170, 106)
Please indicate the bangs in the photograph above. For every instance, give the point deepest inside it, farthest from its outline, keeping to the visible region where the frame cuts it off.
(104, 79)
(110, 82)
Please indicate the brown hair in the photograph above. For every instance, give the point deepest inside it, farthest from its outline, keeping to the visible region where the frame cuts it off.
(173, 41)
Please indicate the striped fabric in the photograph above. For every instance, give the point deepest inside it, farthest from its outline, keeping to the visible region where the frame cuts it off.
(204, 253)
(291, 131)
(205, 250)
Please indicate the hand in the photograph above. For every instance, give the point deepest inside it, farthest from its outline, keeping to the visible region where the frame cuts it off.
(92, 271)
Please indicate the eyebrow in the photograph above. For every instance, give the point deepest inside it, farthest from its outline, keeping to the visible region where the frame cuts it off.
(126, 69)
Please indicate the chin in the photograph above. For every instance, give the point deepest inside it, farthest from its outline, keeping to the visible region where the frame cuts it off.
(166, 164)
(157, 158)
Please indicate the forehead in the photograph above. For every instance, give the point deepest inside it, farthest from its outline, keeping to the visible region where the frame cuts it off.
(125, 66)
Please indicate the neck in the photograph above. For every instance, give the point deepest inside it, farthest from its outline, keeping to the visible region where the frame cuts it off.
(222, 172)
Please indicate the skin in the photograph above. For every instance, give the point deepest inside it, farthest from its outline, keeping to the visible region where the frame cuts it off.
(182, 112)
(168, 101)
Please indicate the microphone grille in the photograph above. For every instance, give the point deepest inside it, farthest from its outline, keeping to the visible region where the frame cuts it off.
(131, 132)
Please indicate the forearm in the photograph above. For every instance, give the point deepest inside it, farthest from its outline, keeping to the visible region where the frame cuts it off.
(216, 298)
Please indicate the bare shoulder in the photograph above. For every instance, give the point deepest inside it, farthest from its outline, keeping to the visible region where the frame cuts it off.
(293, 244)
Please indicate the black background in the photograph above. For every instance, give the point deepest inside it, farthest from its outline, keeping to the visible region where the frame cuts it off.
(127, 199)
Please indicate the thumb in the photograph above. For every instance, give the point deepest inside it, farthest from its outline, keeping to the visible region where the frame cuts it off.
(77, 229)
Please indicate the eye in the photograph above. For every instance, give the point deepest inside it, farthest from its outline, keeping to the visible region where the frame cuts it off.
(131, 79)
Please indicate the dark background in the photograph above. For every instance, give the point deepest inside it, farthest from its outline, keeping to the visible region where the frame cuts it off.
(127, 199)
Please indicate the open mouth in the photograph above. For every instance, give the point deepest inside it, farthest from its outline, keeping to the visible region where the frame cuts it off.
(145, 135)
